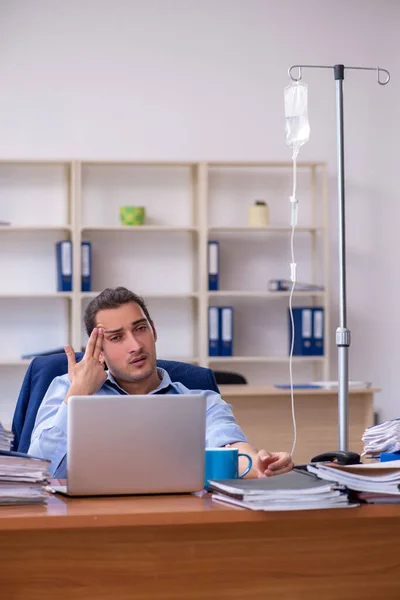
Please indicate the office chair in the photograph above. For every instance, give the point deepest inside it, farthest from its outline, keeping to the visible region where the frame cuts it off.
(229, 378)
(43, 369)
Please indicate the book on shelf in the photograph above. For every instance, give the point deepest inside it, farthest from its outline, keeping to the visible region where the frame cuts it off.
(226, 336)
(220, 330)
(308, 330)
(64, 266)
(213, 265)
(285, 285)
(86, 267)
(213, 331)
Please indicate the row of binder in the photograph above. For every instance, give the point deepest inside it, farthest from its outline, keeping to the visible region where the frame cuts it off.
(308, 331)
(64, 266)
(220, 330)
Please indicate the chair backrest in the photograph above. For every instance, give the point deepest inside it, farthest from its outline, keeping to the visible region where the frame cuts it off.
(43, 369)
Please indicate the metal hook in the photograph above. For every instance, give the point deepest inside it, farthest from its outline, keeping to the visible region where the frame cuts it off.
(292, 77)
(383, 82)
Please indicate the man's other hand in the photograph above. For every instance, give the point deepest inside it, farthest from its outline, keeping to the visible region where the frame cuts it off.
(273, 463)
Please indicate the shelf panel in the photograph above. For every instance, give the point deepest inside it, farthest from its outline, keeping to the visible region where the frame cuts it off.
(282, 164)
(137, 163)
(191, 359)
(34, 228)
(269, 229)
(250, 294)
(16, 362)
(264, 359)
(35, 161)
(136, 228)
(38, 295)
(150, 296)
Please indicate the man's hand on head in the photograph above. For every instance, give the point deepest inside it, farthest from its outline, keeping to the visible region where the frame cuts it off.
(88, 375)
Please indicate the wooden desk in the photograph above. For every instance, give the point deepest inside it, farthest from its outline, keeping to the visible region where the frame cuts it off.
(188, 548)
(265, 414)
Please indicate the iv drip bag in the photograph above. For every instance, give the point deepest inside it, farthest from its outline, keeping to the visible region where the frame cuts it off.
(296, 115)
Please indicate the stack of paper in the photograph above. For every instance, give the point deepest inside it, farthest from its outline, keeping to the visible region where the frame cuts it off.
(353, 385)
(373, 478)
(384, 437)
(6, 438)
(293, 491)
(22, 479)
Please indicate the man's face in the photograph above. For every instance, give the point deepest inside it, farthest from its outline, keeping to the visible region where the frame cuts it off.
(129, 342)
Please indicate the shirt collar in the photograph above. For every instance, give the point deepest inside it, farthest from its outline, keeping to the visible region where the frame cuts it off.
(162, 373)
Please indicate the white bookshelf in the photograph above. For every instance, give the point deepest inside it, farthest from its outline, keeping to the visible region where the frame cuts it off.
(187, 204)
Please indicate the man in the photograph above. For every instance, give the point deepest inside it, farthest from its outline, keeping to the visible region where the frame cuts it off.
(123, 336)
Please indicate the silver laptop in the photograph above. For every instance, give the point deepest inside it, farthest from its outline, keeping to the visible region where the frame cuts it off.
(151, 444)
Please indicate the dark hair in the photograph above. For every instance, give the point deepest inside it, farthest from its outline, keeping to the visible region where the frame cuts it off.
(112, 298)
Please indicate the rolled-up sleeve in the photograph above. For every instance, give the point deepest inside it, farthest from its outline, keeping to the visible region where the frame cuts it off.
(49, 436)
(221, 425)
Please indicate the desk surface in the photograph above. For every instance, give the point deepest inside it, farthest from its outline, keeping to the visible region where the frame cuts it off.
(189, 548)
(186, 509)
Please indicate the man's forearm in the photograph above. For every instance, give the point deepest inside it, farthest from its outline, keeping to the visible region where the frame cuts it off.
(246, 448)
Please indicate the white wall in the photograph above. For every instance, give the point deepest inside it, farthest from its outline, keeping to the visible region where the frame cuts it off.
(176, 79)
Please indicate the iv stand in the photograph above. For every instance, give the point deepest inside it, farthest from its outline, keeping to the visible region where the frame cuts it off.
(342, 332)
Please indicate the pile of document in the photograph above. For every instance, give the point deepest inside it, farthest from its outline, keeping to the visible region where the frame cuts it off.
(297, 490)
(373, 482)
(22, 479)
(6, 438)
(384, 437)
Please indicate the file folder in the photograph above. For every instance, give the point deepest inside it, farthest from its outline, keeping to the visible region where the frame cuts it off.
(213, 331)
(64, 266)
(303, 324)
(213, 266)
(226, 324)
(318, 331)
(86, 266)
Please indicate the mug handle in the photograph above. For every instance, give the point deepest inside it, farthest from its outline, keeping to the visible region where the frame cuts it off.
(248, 466)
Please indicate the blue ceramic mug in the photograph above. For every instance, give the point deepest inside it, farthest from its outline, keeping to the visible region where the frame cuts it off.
(223, 463)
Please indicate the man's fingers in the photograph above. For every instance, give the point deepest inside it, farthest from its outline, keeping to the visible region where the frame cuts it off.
(274, 463)
(282, 460)
(287, 469)
(70, 356)
(99, 344)
(91, 343)
(266, 457)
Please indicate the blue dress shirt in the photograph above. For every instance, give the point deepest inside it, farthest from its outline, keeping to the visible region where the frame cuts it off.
(49, 436)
